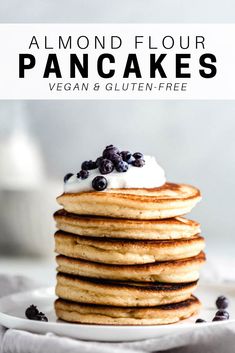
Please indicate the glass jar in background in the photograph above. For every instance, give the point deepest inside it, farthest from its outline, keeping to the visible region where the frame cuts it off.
(27, 196)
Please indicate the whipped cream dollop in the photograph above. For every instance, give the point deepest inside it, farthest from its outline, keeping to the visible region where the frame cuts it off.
(149, 176)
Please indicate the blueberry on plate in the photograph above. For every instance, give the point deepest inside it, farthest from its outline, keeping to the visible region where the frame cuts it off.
(199, 321)
(31, 311)
(222, 302)
(40, 317)
(44, 318)
(222, 312)
(67, 176)
(138, 163)
(106, 166)
(99, 183)
(219, 318)
(121, 167)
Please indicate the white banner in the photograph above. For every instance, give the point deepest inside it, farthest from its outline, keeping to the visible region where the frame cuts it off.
(117, 61)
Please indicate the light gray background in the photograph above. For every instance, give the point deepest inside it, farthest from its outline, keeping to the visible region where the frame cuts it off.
(193, 140)
(209, 11)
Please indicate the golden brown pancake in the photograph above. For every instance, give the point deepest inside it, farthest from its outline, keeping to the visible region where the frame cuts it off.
(174, 228)
(124, 251)
(103, 292)
(177, 271)
(169, 200)
(110, 315)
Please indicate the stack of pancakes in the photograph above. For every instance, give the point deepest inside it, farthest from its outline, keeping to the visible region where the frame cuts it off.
(126, 256)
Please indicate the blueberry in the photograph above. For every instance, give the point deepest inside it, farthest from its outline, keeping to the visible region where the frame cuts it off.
(83, 174)
(106, 166)
(222, 312)
(222, 302)
(40, 318)
(219, 318)
(121, 166)
(31, 311)
(138, 155)
(110, 151)
(36, 318)
(67, 176)
(112, 147)
(44, 318)
(199, 321)
(138, 163)
(98, 161)
(116, 158)
(126, 156)
(88, 165)
(99, 183)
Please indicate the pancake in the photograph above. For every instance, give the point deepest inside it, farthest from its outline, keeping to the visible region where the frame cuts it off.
(169, 200)
(126, 252)
(91, 291)
(109, 315)
(175, 228)
(178, 271)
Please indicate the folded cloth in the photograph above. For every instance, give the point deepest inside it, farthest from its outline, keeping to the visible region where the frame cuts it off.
(210, 340)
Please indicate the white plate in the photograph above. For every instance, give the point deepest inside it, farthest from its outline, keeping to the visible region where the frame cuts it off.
(12, 310)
